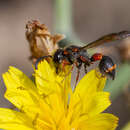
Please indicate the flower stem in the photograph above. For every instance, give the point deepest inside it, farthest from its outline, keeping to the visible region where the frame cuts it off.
(63, 16)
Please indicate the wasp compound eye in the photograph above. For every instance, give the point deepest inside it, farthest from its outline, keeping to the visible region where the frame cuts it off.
(58, 56)
(107, 67)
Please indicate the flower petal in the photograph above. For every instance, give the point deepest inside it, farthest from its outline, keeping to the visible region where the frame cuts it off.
(85, 92)
(97, 104)
(21, 91)
(45, 78)
(13, 120)
(14, 126)
(102, 121)
(48, 81)
(51, 103)
(90, 83)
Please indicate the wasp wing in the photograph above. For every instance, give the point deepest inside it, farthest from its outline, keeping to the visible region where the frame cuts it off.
(108, 38)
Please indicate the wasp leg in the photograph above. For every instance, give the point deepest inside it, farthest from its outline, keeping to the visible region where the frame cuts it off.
(78, 65)
(40, 59)
(70, 71)
(85, 68)
(57, 68)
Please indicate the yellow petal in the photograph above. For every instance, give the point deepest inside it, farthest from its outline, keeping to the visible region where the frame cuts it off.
(57, 107)
(14, 126)
(21, 91)
(64, 125)
(51, 104)
(90, 83)
(102, 121)
(85, 92)
(48, 81)
(87, 87)
(13, 120)
(97, 104)
(45, 78)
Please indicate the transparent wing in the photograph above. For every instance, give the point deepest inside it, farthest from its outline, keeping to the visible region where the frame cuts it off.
(107, 39)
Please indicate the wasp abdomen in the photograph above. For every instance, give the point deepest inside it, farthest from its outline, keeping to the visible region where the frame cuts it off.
(107, 67)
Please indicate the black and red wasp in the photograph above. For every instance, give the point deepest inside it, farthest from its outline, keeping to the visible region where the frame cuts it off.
(77, 55)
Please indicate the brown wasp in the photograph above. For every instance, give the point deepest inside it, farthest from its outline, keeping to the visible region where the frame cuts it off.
(71, 55)
(76, 55)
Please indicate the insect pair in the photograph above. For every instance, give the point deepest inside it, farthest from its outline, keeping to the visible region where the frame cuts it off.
(76, 55)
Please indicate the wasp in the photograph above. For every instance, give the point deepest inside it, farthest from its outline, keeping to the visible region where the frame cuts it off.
(78, 56)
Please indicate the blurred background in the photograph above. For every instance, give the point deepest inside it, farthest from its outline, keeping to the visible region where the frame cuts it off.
(80, 20)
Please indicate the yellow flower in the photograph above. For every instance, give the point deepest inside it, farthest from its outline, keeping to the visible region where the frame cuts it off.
(50, 104)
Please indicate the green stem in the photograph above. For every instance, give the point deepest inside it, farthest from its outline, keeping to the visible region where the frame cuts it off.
(122, 78)
(64, 22)
(63, 16)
